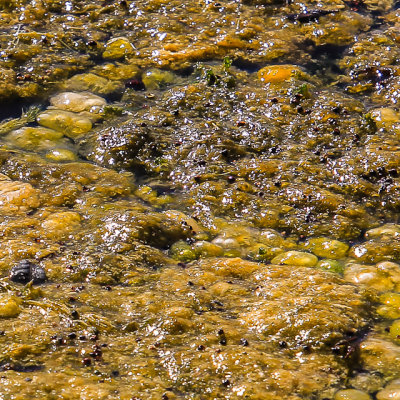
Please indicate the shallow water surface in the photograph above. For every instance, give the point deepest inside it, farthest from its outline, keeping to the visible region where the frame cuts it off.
(212, 191)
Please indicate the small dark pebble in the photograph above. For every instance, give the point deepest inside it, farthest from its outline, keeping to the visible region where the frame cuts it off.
(223, 341)
(2, 333)
(244, 342)
(231, 179)
(72, 336)
(164, 397)
(307, 349)
(86, 361)
(221, 332)
(135, 84)
(74, 314)
(190, 283)
(82, 337)
(181, 264)
(200, 347)
(26, 271)
(226, 382)
(282, 344)
(309, 16)
(93, 338)
(115, 373)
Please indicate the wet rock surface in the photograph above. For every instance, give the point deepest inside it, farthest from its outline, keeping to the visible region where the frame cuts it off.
(26, 271)
(211, 190)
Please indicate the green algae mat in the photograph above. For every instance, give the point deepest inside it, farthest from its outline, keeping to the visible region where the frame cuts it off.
(200, 200)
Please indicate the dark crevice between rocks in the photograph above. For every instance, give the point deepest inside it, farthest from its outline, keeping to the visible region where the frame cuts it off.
(324, 59)
(349, 350)
(8, 366)
(14, 108)
(246, 65)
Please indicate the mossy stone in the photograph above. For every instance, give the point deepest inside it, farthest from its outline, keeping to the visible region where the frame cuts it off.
(296, 258)
(328, 248)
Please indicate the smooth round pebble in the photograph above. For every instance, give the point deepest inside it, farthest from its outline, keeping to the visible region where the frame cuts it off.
(69, 123)
(392, 230)
(331, 266)
(328, 248)
(298, 258)
(278, 73)
(117, 48)
(77, 102)
(93, 83)
(351, 394)
(61, 155)
(390, 392)
(34, 138)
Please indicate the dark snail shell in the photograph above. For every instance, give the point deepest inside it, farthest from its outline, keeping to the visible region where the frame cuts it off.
(26, 271)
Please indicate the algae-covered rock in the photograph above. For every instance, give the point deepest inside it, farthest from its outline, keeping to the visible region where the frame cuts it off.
(183, 219)
(380, 355)
(77, 102)
(302, 305)
(327, 248)
(117, 146)
(280, 73)
(389, 230)
(70, 124)
(117, 48)
(92, 83)
(386, 246)
(331, 266)
(62, 224)
(390, 392)
(16, 195)
(390, 308)
(9, 307)
(182, 251)
(207, 249)
(295, 258)
(60, 155)
(117, 71)
(231, 267)
(351, 394)
(383, 276)
(156, 78)
(35, 138)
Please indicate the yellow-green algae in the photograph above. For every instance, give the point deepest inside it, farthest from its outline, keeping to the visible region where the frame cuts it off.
(220, 219)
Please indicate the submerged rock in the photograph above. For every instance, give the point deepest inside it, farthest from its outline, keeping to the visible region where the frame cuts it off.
(69, 123)
(9, 307)
(15, 195)
(60, 155)
(26, 271)
(390, 392)
(35, 138)
(279, 73)
(296, 258)
(92, 83)
(117, 48)
(352, 394)
(77, 102)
